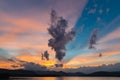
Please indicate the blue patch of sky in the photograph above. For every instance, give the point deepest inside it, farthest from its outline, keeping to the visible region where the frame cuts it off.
(102, 12)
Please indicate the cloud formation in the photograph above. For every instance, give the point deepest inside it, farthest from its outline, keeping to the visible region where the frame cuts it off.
(60, 37)
(93, 39)
(89, 69)
(111, 36)
(32, 66)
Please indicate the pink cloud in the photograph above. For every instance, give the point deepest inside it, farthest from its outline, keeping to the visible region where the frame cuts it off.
(113, 35)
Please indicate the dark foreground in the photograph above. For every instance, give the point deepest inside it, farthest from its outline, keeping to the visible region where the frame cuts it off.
(4, 73)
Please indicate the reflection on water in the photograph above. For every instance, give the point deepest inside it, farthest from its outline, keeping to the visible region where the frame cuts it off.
(63, 78)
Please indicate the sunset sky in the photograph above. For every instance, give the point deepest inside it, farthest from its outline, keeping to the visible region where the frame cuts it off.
(24, 35)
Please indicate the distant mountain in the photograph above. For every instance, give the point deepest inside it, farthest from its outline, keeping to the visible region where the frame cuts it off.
(103, 73)
(37, 73)
(89, 69)
(22, 73)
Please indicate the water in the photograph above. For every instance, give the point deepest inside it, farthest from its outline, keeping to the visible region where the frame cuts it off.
(64, 78)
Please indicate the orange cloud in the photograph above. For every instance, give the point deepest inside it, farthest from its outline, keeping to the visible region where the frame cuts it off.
(37, 37)
(9, 65)
(24, 23)
(94, 59)
(37, 60)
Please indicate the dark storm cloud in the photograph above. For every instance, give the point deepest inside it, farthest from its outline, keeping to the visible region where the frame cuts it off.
(32, 66)
(59, 35)
(93, 39)
(15, 60)
(11, 60)
(14, 66)
(46, 55)
(26, 65)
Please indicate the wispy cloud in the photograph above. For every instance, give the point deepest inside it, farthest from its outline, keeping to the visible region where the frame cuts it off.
(111, 36)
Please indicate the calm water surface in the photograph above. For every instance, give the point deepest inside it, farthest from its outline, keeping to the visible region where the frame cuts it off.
(65, 78)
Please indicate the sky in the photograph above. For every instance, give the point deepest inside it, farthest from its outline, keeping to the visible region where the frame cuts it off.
(24, 35)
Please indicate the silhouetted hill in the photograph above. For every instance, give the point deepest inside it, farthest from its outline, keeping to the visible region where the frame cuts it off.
(17, 72)
(36, 73)
(103, 73)
(27, 73)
